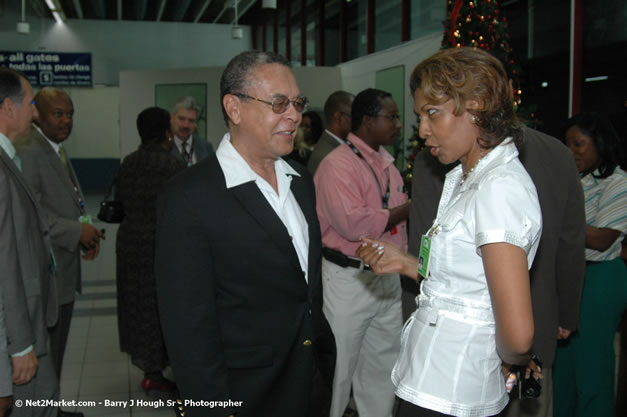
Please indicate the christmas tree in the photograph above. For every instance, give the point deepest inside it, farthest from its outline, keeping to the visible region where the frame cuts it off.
(478, 24)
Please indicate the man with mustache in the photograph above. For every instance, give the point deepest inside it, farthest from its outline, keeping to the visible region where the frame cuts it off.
(184, 119)
(49, 173)
(360, 194)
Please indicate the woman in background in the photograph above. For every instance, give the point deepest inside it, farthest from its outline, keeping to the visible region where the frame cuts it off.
(475, 303)
(311, 129)
(141, 176)
(584, 369)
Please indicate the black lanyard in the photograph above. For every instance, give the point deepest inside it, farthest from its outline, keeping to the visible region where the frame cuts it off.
(386, 195)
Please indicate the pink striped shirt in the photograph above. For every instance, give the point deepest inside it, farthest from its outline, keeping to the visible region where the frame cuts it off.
(349, 202)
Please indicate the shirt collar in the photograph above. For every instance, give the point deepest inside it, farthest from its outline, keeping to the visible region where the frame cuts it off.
(236, 169)
(591, 178)
(54, 145)
(334, 136)
(382, 155)
(7, 145)
(503, 152)
(179, 142)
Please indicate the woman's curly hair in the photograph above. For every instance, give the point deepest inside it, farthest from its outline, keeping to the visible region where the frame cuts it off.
(463, 74)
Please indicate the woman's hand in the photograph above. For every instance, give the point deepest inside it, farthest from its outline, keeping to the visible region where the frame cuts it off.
(385, 258)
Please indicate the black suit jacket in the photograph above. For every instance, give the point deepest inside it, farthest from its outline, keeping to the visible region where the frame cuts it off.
(558, 269)
(239, 320)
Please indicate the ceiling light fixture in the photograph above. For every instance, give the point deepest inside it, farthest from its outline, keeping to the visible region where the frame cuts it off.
(599, 78)
(56, 10)
(237, 32)
(22, 26)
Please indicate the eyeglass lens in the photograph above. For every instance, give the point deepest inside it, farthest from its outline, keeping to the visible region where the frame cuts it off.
(280, 104)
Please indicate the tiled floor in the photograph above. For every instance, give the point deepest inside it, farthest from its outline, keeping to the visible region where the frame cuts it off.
(94, 369)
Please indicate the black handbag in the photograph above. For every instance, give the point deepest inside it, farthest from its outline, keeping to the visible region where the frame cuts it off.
(111, 209)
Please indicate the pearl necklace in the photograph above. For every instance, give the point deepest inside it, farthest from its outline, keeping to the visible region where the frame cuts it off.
(467, 173)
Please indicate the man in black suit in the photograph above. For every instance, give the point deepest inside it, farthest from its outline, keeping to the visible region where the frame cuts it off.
(238, 258)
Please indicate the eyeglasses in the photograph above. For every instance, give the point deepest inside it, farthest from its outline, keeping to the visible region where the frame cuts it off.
(281, 103)
(391, 117)
(346, 114)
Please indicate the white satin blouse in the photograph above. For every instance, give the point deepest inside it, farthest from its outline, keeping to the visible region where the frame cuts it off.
(448, 360)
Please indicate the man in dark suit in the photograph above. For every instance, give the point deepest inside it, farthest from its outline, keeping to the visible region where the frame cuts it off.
(238, 257)
(188, 147)
(50, 175)
(337, 111)
(27, 282)
(558, 269)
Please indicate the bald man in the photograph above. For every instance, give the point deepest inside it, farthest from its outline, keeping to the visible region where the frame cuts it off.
(50, 174)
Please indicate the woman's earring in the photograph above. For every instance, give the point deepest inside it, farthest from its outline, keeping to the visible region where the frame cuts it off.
(474, 118)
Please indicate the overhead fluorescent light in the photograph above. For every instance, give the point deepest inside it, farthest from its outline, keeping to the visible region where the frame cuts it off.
(599, 78)
(57, 16)
(56, 10)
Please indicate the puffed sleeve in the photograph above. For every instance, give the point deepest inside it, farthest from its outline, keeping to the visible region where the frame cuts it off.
(507, 210)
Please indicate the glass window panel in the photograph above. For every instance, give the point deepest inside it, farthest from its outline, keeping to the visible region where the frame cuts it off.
(605, 22)
(550, 28)
(295, 29)
(332, 33)
(281, 10)
(270, 30)
(356, 15)
(387, 24)
(312, 31)
(426, 17)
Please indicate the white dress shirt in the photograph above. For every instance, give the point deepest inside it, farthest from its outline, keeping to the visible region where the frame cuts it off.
(237, 171)
(448, 361)
(190, 147)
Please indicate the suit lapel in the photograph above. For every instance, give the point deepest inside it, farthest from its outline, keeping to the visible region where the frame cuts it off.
(304, 201)
(43, 223)
(299, 189)
(331, 141)
(198, 149)
(60, 170)
(258, 207)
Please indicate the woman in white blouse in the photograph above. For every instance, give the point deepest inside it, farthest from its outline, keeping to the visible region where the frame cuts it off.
(474, 311)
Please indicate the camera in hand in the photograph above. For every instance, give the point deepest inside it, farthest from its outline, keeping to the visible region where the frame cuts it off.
(530, 387)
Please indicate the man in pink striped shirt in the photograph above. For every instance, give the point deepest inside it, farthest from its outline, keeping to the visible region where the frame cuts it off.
(360, 194)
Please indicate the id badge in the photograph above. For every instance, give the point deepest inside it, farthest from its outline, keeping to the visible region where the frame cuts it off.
(424, 256)
(85, 219)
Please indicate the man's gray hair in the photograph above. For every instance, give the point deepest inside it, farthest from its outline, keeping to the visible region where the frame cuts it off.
(187, 103)
(235, 76)
(11, 86)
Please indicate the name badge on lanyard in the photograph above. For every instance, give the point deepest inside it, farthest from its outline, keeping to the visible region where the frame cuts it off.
(424, 254)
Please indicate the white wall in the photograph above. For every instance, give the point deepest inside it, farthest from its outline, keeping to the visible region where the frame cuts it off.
(360, 73)
(96, 132)
(137, 91)
(126, 45)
